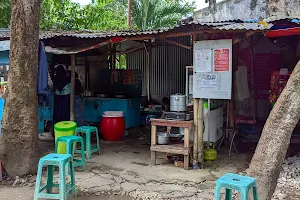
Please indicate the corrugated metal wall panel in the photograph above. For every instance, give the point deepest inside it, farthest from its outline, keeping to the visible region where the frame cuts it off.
(138, 60)
(178, 58)
(159, 80)
(167, 71)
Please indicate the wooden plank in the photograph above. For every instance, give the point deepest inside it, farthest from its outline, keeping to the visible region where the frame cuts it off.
(200, 132)
(172, 123)
(172, 149)
(153, 142)
(176, 43)
(72, 96)
(186, 137)
(195, 149)
(153, 135)
(186, 162)
(153, 158)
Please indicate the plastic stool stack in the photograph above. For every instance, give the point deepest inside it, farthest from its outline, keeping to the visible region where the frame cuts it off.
(71, 142)
(86, 133)
(52, 160)
(230, 182)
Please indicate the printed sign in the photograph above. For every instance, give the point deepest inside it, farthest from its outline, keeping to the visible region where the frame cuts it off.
(221, 60)
(212, 69)
(203, 60)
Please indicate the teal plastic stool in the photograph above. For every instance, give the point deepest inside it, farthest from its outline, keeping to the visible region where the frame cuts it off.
(230, 182)
(51, 160)
(71, 142)
(86, 133)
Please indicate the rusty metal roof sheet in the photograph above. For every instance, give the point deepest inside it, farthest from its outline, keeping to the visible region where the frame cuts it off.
(95, 34)
(4, 33)
(232, 25)
(246, 26)
(87, 34)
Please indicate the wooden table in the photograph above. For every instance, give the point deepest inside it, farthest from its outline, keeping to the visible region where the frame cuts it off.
(181, 149)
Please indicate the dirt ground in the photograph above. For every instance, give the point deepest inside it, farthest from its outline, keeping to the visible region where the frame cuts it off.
(26, 193)
(124, 169)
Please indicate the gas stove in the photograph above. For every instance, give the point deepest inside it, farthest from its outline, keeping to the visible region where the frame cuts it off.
(178, 116)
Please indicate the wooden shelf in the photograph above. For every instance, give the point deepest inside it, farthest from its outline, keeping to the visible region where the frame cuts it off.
(177, 148)
(171, 123)
(172, 148)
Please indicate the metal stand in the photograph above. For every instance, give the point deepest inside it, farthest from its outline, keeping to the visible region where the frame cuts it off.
(234, 132)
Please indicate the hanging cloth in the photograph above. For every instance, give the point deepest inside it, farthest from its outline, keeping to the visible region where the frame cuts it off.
(42, 87)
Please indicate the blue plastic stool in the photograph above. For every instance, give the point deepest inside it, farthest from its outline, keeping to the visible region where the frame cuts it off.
(51, 160)
(86, 133)
(71, 142)
(230, 182)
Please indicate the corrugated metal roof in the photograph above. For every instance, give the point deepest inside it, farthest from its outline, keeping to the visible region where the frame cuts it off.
(281, 17)
(95, 34)
(4, 45)
(197, 22)
(232, 25)
(246, 26)
(4, 33)
(86, 34)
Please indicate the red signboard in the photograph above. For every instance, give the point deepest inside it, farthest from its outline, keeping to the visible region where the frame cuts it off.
(221, 60)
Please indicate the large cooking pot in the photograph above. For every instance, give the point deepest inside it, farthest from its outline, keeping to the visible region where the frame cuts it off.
(177, 103)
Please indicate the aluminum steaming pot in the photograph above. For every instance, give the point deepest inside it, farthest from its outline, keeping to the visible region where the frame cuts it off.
(177, 103)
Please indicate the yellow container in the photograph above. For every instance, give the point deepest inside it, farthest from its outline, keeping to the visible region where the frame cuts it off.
(65, 128)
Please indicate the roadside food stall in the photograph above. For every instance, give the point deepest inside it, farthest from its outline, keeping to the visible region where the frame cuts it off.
(105, 88)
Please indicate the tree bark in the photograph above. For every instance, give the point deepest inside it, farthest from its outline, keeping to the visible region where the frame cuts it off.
(18, 144)
(274, 141)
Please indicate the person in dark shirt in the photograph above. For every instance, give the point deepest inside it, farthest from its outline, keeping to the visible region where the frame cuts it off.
(78, 86)
(79, 102)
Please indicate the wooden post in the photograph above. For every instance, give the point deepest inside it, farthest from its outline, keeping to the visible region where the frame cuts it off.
(129, 13)
(195, 146)
(72, 96)
(153, 142)
(196, 105)
(148, 49)
(200, 132)
(187, 146)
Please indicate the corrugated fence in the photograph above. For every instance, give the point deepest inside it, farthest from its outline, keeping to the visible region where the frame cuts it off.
(167, 70)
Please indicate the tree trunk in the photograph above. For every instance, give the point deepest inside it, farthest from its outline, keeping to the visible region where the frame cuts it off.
(274, 141)
(18, 144)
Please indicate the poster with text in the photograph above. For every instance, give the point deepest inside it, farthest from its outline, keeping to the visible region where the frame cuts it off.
(221, 60)
(203, 60)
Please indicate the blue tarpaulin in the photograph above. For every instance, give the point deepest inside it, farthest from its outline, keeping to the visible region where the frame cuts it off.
(4, 57)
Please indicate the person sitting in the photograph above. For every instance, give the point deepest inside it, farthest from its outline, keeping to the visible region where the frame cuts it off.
(166, 104)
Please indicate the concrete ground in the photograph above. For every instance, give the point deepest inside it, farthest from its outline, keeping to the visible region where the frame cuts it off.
(123, 169)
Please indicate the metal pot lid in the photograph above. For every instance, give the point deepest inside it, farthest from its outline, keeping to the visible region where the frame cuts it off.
(178, 95)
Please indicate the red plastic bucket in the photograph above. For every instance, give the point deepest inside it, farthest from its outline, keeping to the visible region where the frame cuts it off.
(112, 126)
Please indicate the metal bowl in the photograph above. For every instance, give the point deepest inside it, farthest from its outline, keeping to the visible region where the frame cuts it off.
(176, 137)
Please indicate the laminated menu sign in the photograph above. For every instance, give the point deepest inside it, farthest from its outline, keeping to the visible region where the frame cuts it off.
(208, 81)
(221, 60)
(203, 60)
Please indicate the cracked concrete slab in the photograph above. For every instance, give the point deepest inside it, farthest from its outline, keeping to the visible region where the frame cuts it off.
(123, 167)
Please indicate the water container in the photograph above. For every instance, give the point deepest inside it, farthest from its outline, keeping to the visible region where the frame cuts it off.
(112, 125)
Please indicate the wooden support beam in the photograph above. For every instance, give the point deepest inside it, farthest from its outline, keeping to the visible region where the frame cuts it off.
(195, 146)
(176, 43)
(196, 104)
(148, 51)
(200, 133)
(238, 39)
(149, 37)
(132, 50)
(72, 96)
